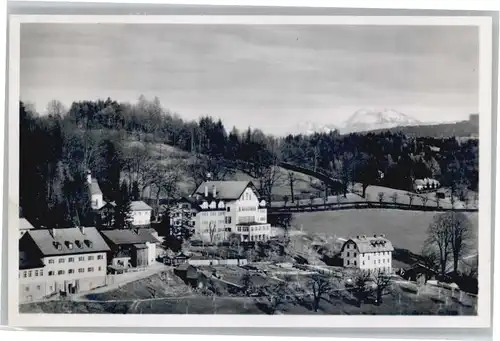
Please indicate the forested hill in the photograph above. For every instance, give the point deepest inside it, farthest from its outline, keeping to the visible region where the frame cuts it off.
(443, 130)
(57, 149)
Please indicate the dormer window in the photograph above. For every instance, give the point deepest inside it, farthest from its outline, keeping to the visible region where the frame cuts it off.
(58, 245)
(88, 243)
(78, 243)
(69, 245)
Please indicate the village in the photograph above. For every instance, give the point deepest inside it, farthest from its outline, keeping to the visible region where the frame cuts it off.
(232, 252)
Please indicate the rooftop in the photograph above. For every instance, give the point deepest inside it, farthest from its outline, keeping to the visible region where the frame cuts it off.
(127, 237)
(94, 187)
(25, 225)
(71, 240)
(139, 206)
(225, 190)
(371, 244)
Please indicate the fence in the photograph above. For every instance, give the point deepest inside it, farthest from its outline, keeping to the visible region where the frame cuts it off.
(362, 205)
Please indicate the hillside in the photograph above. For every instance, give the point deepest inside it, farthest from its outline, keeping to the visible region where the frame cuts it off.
(443, 130)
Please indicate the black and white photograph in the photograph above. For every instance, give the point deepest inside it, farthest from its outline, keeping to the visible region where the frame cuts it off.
(267, 167)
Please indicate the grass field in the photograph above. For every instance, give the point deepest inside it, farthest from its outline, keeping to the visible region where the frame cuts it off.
(406, 229)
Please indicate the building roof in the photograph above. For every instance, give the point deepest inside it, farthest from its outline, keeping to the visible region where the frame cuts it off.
(139, 206)
(68, 240)
(254, 223)
(148, 234)
(25, 225)
(371, 244)
(225, 190)
(94, 187)
(126, 237)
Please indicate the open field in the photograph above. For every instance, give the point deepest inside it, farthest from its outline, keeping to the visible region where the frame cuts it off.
(406, 229)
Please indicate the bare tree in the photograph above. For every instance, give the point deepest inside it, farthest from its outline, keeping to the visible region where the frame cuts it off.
(383, 285)
(360, 290)
(212, 230)
(424, 199)
(56, 108)
(320, 285)
(394, 198)
(276, 296)
(217, 167)
(460, 233)
(291, 179)
(246, 283)
(411, 197)
(285, 200)
(380, 197)
(438, 239)
(270, 176)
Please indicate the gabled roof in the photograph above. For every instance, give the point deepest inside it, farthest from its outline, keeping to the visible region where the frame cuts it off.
(139, 206)
(225, 190)
(147, 234)
(67, 241)
(25, 225)
(371, 244)
(94, 187)
(126, 237)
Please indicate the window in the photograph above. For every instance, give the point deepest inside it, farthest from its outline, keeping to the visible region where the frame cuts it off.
(27, 288)
(81, 270)
(354, 254)
(368, 257)
(379, 261)
(71, 271)
(51, 273)
(91, 269)
(38, 287)
(29, 273)
(36, 273)
(60, 272)
(363, 262)
(347, 262)
(383, 260)
(81, 259)
(228, 209)
(91, 258)
(51, 261)
(25, 274)
(355, 263)
(71, 260)
(100, 257)
(99, 268)
(348, 254)
(61, 260)
(41, 272)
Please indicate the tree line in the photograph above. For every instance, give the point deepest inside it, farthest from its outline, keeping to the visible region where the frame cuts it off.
(58, 148)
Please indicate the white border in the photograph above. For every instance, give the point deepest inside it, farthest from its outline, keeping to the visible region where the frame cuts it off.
(482, 320)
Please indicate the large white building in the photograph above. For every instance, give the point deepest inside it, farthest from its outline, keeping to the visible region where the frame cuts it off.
(227, 208)
(140, 214)
(368, 253)
(53, 261)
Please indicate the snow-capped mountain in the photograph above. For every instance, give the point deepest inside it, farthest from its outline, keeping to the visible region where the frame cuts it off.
(367, 119)
(309, 128)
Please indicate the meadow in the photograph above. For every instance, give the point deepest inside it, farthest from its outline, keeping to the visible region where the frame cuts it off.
(405, 229)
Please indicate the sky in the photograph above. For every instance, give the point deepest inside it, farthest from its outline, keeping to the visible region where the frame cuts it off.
(270, 77)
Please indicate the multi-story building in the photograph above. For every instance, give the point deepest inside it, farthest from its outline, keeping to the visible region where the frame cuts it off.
(61, 261)
(230, 207)
(140, 214)
(182, 217)
(368, 253)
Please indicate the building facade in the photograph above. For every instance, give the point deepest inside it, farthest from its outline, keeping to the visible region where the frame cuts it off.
(140, 214)
(368, 253)
(96, 197)
(61, 261)
(228, 208)
(182, 218)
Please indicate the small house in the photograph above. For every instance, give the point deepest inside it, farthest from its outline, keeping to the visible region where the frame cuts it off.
(190, 275)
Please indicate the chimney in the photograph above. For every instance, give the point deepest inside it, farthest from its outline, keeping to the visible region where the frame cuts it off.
(82, 229)
(89, 177)
(214, 191)
(53, 232)
(206, 190)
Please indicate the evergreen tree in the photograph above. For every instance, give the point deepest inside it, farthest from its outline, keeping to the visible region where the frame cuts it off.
(122, 209)
(135, 193)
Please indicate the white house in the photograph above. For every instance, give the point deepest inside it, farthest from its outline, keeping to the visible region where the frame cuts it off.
(182, 217)
(140, 213)
(423, 184)
(96, 198)
(230, 207)
(67, 260)
(368, 253)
